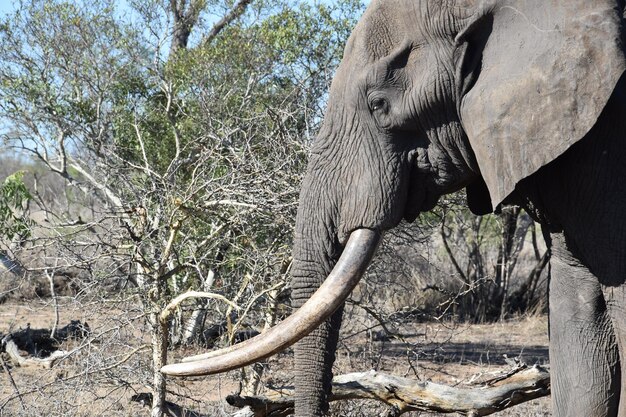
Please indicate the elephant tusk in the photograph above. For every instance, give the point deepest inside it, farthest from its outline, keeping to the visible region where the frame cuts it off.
(351, 266)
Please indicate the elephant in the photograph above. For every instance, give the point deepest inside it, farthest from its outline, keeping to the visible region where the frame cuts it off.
(517, 102)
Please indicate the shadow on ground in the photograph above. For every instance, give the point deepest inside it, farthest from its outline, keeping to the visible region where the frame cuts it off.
(473, 353)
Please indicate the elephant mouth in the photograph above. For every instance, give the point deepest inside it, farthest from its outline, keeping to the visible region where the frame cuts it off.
(350, 267)
(419, 199)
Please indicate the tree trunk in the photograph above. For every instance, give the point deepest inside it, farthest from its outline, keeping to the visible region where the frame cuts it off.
(194, 324)
(252, 380)
(159, 359)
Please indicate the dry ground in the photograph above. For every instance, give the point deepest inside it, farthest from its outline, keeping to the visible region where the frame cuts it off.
(449, 353)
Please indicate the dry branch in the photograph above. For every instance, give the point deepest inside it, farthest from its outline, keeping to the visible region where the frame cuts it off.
(167, 311)
(405, 395)
(238, 9)
(12, 382)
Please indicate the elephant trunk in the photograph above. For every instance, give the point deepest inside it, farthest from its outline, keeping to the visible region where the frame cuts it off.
(327, 299)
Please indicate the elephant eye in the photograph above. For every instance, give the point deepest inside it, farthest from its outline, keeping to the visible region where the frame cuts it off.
(379, 104)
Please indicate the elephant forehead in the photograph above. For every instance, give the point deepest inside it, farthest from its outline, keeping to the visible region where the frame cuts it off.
(548, 69)
(382, 28)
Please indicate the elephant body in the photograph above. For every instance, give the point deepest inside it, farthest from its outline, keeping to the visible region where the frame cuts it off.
(579, 199)
(521, 103)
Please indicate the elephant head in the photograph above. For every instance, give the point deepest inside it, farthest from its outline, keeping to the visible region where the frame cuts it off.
(431, 96)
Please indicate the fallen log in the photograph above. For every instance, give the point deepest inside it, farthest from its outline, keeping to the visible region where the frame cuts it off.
(17, 359)
(404, 394)
(41, 348)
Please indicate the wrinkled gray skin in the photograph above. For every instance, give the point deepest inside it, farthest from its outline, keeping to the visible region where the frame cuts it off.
(435, 96)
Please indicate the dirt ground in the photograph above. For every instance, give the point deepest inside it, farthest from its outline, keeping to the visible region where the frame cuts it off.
(448, 353)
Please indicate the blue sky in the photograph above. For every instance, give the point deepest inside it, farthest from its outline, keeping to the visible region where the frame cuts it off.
(7, 5)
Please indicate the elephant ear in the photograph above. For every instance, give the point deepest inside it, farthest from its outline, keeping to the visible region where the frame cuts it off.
(537, 75)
